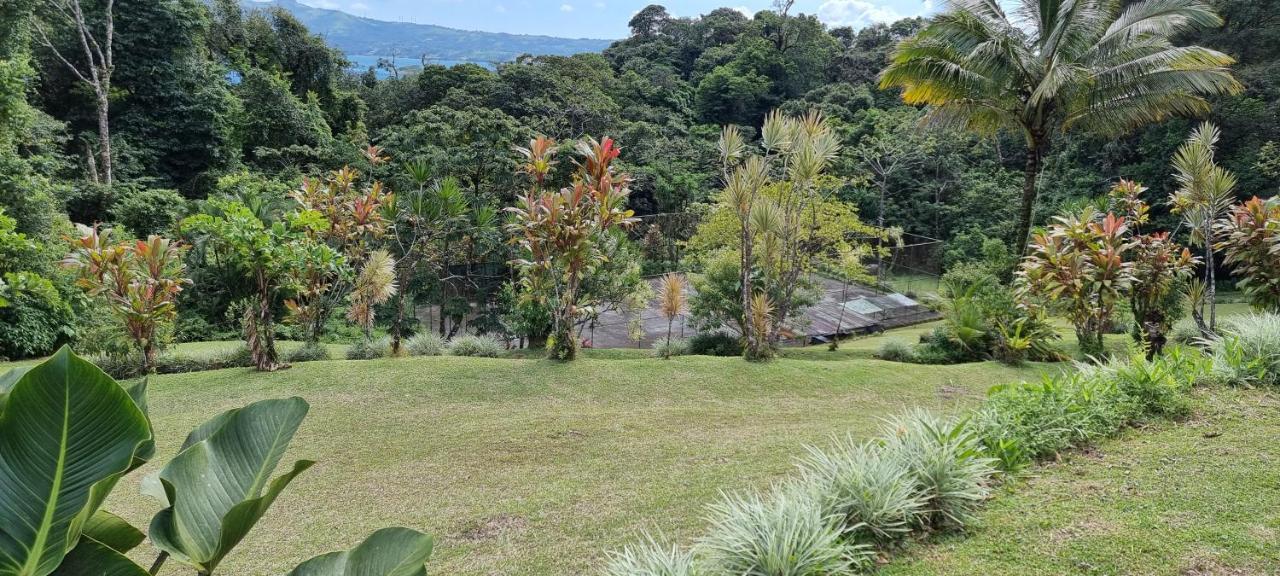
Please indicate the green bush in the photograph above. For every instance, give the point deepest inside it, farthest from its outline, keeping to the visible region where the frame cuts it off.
(369, 349)
(677, 347)
(649, 558)
(896, 351)
(425, 344)
(1248, 352)
(715, 344)
(482, 345)
(309, 352)
(939, 346)
(871, 490)
(149, 210)
(790, 532)
(35, 320)
(129, 365)
(1184, 331)
(946, 459)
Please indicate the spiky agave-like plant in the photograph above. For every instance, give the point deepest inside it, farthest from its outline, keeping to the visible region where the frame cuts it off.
(1056, 65)
(375, 285)
(673, 303)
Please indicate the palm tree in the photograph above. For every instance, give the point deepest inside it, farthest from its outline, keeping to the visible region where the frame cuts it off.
(1057, 65)
(1204, 196)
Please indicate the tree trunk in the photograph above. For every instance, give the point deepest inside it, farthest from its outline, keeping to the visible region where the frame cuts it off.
(1211, 282)
(1036, 149)
(104, 135)
(745, 280)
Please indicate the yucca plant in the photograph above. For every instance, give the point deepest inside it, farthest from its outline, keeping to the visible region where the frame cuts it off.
(1052, 66)
(375, 285)
(760, 319)
(672, 292)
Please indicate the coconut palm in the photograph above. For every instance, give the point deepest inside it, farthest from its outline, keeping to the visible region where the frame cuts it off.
(1056, 65)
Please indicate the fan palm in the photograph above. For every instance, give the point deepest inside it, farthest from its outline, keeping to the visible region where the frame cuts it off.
(1056, 65)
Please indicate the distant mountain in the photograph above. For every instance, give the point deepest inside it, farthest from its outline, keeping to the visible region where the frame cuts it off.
(357, 36)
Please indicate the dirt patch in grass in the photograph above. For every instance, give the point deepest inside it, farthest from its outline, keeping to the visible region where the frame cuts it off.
(493, 527)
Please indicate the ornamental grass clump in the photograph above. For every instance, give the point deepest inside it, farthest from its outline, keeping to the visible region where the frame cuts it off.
(946, 460)
(1248, 351)
(651, 558)
(785, 533)
(870, 489)
(481, 345)
(425, 344)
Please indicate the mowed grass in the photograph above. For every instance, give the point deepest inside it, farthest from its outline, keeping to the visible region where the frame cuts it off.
(1196, 498)
(531, 467)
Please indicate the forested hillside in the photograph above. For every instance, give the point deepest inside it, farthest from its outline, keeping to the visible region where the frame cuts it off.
(205, 101)
(355, 35)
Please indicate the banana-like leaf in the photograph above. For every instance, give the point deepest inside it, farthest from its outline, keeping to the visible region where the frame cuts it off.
(217, 486)
(387, 552)
(93, 558)
(113, 532)
(7, 380)
(67, 433)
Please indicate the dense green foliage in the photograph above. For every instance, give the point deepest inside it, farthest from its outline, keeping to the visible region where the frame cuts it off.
(210, 101)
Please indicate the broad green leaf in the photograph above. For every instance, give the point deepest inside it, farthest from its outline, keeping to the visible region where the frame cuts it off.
(219, 486)
(67, 434)
(7, 380)
(387, 552)
(112, 531)
(93, 558)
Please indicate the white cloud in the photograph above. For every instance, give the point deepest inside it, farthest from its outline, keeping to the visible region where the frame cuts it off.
(566, 7)
(745, 11)
(859, 13)
(359, 7)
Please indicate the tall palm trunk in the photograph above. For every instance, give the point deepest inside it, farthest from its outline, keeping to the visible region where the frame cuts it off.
(1037, 148)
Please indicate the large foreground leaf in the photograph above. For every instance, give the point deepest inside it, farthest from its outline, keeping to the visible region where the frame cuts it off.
(93, 558)
(67, 434)
(218, 486)
(387, 552)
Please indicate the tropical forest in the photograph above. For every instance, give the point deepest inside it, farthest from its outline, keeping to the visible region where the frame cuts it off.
(792, 288)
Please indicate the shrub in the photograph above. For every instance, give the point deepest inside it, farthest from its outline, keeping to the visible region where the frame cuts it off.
(425, 344)
(1248, 353)
(149, 210)
(787, 533)
(677, 347)
(649, 558)
(896, 351)
(870, 489)
(36, 318)
(309, 352)
(482, 345)
(940, 347)
(1039, 419)
(945, 458)
(1155, 387)
(715, 344)
(369, 349)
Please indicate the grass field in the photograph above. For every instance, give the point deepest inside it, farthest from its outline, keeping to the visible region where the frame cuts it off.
(1197, 498)
(520, 466)
(529, 467)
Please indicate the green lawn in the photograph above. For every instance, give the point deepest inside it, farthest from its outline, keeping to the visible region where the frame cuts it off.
(530, 467)
(1182, 499)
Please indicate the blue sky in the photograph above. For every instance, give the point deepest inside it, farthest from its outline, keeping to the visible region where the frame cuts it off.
(602, 18)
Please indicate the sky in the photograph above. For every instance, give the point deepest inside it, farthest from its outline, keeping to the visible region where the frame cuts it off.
(603, 18)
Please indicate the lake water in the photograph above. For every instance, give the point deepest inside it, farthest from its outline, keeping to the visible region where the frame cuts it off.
(362, 62)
